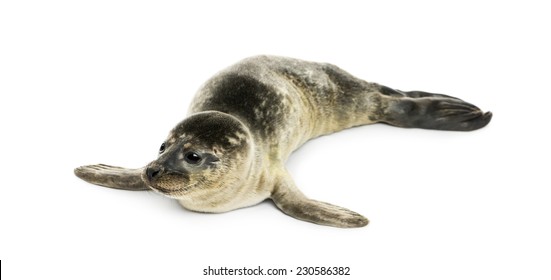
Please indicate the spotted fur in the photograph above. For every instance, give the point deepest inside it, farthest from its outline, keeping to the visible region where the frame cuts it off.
(246, 120)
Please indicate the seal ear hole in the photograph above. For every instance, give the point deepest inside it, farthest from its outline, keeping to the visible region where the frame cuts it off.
(162, 148)
(192, 158)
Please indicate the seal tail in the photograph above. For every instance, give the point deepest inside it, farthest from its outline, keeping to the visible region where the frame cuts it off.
(353, 102)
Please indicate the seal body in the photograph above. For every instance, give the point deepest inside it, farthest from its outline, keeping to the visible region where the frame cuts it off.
(245, 121)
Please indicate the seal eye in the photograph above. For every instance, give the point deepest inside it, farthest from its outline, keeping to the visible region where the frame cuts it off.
(162, 149)
(192, 158)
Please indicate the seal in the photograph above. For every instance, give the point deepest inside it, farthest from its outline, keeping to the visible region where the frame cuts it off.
(245, 121)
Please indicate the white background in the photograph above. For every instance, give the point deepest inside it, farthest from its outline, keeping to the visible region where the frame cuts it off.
(85, 82)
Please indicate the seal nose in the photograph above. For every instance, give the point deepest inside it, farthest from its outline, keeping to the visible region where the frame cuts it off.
(153, 172)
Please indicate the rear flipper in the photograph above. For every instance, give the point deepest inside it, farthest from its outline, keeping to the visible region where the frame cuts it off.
(112, 177)
(413, 94)
(431, 111)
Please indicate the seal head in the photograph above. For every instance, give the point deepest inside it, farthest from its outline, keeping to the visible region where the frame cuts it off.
(205, 155)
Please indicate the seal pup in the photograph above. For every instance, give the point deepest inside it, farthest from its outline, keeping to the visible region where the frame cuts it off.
(245, 121)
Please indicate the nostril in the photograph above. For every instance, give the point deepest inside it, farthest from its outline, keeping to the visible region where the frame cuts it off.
(153, 172)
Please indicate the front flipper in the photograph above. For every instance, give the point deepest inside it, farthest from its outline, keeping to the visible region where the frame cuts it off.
(295, 204)
(112, 177)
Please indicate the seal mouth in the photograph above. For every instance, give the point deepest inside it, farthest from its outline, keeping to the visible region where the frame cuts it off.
(167, 191)
(173, 192)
